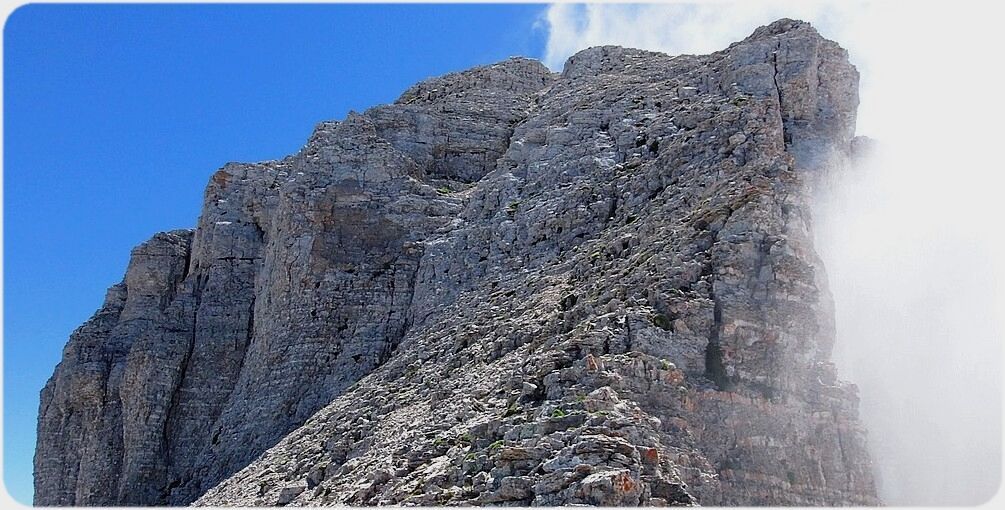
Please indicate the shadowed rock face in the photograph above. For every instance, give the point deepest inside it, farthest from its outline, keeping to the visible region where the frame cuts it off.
(508, 287)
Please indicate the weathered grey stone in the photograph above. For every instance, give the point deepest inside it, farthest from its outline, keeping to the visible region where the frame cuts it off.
(288, 494)
(508, 287)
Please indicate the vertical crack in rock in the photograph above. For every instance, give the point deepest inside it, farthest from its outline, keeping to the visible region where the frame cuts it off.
(508, 287)
(714, 368)
(786, 136)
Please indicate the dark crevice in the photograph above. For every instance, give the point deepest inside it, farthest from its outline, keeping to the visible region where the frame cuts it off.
(568, 302)
(176, 280)
(188, 260)
(249, 332)
(259, 233)
(715, 370)
(786, 136)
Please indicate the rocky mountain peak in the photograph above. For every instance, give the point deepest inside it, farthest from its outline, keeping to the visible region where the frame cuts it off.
(508, 287)
(784, 26)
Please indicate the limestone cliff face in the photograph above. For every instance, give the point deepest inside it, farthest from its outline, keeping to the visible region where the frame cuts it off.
(508, 287)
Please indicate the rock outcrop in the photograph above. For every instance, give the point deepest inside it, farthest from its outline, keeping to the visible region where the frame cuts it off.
(509, 287)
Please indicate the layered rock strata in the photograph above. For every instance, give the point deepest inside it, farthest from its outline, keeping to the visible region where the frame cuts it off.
(508, 287)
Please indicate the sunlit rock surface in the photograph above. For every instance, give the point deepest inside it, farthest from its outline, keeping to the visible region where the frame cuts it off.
(510, 286)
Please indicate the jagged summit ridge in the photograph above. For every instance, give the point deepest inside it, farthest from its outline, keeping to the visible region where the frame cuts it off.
(510, 286)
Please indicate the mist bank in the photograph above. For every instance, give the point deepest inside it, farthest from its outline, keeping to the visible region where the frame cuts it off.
(916, 325)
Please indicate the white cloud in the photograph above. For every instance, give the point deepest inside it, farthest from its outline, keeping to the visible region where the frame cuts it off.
(697, 27)
(700, 27)
(912, 244)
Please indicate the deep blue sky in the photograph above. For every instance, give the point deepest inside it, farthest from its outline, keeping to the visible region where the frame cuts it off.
(115, 116)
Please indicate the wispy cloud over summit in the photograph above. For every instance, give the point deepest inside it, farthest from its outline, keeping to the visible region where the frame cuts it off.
(695, 27)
